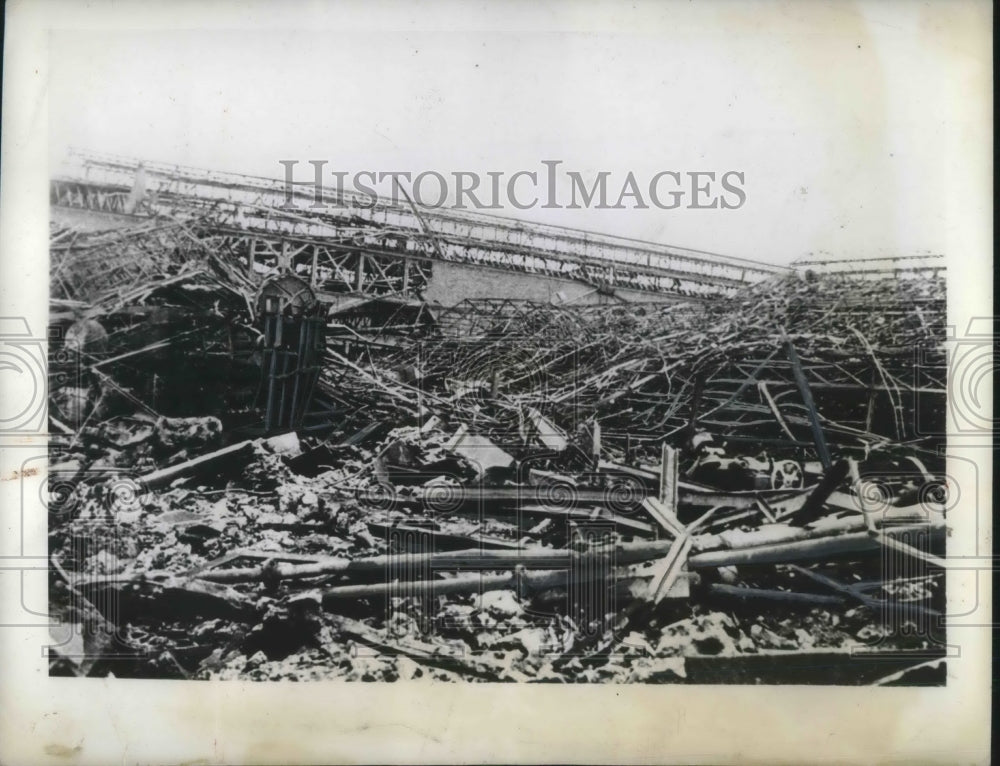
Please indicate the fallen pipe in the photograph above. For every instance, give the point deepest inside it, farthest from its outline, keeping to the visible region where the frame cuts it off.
(793, 544)
(518, 579)
(287, 443)
(743, 594)
(544, 558)
(816, 549)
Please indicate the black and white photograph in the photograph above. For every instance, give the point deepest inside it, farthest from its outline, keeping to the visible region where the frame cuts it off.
(395, 349)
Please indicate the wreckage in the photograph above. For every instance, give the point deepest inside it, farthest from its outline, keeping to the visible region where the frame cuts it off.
(278, 453)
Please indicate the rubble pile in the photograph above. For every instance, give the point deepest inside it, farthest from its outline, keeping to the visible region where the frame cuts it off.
(741, 491)
(649, 370)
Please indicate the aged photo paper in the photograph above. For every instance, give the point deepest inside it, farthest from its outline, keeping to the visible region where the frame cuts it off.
(499, 382)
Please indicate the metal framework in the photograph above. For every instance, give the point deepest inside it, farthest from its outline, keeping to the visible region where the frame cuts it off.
(899, 267)
(92, 267)
(387, 248)
(474, 319)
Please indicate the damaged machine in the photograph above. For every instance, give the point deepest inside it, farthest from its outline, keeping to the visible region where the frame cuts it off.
(292, 327)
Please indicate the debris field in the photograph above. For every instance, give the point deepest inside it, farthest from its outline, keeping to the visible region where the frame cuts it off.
(248, 483)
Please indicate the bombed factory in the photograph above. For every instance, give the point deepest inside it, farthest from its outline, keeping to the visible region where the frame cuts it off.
(381, 442)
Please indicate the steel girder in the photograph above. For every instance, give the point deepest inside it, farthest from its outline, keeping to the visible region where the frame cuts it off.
(356, 246)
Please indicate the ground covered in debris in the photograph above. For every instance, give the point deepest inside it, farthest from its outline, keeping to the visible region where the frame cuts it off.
(688, 493)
